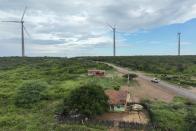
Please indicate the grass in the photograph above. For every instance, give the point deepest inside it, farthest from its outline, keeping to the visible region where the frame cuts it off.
(61, 75)
(173, 116)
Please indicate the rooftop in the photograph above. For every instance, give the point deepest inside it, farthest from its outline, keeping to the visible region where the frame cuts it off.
(116, 97)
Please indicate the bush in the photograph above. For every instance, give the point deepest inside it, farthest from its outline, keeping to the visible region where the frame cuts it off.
(131, 76)
(116, 87)
(88, 100)
(30, 92)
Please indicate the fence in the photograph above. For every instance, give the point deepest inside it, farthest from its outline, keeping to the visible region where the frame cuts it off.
(110, 124)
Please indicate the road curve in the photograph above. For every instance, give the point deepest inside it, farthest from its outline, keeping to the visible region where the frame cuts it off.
(162, 84)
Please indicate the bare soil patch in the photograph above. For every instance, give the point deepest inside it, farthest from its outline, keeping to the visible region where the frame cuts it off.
(145, 89)
(132, 116)
(193, 90)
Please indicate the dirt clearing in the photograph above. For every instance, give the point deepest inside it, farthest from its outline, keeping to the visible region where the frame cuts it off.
(133, 116)
(147, 90)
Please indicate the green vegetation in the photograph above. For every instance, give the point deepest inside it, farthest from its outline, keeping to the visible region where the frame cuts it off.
(172, 68)
(180, 115)
(108, 82)
(130, 76)
(30, 92)
(89, 100)
(33, 89)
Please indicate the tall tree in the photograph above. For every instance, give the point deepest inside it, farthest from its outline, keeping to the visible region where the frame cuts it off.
(88, 100)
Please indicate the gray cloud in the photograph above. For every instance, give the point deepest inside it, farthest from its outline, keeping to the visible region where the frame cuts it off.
(82, 24)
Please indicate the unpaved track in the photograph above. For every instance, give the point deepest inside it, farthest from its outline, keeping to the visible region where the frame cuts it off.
(143, 90)
(162, 85)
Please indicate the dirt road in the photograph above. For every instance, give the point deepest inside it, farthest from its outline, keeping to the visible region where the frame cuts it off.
(162, 89)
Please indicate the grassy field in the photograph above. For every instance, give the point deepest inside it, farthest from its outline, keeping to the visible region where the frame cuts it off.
(179, 70)
(61, 76)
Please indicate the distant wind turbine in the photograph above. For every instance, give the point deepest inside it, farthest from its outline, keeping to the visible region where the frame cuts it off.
(21, 21)
(114, 38)
(179, 43)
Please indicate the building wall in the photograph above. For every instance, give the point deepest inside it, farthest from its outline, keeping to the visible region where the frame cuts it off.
(119, 108)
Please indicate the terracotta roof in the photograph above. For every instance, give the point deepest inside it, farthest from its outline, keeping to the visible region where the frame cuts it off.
(116, 97)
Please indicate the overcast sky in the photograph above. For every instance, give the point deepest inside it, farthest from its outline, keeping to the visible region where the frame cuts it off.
(79, 27)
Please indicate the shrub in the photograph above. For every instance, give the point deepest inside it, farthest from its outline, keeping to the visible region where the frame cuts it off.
(88, 100)
(116, 87)
(131, 76)
(30, 92)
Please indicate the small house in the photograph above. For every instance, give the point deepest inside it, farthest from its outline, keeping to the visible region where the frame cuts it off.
(96, 72)
(117, 100)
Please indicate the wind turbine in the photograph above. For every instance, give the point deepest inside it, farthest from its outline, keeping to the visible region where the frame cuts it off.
(114, 38)
(21, 21)
(179, 43)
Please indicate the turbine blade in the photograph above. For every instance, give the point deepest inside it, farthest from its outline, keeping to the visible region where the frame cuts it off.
(26, 31)
(114, 25)
(23, 13)
(11, 21)
(110, 26)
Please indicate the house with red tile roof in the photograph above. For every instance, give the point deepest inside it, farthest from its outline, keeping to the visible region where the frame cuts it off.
(95, 72)
(117, 99)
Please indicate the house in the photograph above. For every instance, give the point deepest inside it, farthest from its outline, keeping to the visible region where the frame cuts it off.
(95, 72)
(117, 100)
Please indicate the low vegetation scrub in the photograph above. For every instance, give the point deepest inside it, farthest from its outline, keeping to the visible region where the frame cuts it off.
(88, 100)
(30, 92)
(180, 115)
(23, 84)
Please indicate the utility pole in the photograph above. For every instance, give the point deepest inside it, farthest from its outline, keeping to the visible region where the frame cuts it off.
(179, 42)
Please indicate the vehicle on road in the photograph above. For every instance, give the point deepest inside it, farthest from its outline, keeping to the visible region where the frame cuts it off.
(155, 80)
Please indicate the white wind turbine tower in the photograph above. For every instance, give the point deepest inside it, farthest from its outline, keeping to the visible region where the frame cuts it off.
(21, 21)
(114, 38)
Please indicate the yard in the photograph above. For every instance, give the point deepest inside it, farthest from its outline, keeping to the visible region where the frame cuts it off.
(133, 116)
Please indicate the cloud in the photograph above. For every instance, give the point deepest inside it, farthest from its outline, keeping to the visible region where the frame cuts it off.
(57, 26)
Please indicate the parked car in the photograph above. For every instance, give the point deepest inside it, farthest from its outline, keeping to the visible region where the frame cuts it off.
(155, 80)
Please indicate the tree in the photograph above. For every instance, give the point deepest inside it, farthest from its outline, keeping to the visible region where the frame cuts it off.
(88, 100)
(130, 76)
